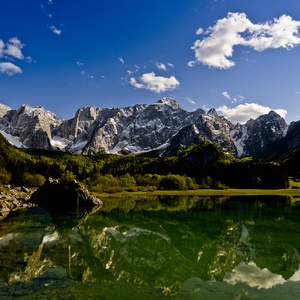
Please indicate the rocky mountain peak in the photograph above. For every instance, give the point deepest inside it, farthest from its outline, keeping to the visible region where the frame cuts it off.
(4, 109)
(212, 112)
(257, 135)
(273, 114)
(171, 102)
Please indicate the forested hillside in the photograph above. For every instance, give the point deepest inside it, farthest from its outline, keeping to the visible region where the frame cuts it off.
(201, 166)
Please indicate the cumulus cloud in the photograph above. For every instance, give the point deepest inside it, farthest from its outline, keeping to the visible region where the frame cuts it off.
(243, 112)
(55, 30)
(217, 45)
(9, 68)
(153, 83)
(11, 50)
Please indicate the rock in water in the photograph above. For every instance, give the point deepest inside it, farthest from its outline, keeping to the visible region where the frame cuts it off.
(64, 197)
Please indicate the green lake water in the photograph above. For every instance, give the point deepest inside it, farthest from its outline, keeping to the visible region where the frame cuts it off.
(155, 248)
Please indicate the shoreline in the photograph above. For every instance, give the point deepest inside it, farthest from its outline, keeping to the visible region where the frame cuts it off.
(206, 192)
(13, 199)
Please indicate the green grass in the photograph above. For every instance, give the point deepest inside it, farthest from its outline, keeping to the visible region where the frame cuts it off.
(213, 192)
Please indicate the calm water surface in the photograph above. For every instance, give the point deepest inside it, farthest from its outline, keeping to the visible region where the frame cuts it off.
(155, 248)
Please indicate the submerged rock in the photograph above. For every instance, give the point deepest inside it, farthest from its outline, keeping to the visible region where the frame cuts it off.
(60, 196)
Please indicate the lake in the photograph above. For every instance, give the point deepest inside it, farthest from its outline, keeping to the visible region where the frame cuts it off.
(155, 248)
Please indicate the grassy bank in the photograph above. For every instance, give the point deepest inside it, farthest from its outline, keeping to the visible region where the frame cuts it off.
(294, 190)
(207, 192)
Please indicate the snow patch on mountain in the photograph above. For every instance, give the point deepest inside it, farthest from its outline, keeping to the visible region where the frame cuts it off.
(12, 139)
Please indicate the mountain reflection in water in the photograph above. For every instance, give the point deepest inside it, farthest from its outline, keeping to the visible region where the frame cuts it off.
(151, 248)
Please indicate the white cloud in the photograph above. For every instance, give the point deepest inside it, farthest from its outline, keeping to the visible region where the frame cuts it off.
(190, 100)
(50, 2)
(45, 11)
(156, 84)
(9, 68)
(2, 45)
(236, 29)
(191, 63)
(29, 59)
(205, 107)
(234, 99)
(161, 66)
(226, 95)
(243, 112)
(121, 60)
(55, 30)
(199, 31)
(79, 63)
(164, 67)
(12, 48)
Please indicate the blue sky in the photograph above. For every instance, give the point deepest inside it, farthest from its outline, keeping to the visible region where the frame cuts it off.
(241, 57)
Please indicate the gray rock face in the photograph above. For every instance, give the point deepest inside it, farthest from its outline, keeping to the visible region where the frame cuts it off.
(257, 135)
(140, 128)
(31, 125)
(208, 126)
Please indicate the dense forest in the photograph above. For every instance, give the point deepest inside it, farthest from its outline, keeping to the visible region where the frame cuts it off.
(200, 166)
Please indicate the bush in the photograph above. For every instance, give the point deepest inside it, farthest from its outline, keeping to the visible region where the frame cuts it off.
(36, 180)
(148, 180)
(104, 183)
(172, 182)
(5, 176)
(68, 176)
(127, 181)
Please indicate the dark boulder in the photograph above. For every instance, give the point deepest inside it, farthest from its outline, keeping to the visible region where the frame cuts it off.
(61, 196)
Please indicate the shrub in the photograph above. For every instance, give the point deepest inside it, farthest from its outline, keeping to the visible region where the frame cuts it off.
(35, 180)
(5, 176)
(172, 182)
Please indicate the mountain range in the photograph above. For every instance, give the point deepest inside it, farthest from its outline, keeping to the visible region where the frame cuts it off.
(163, 126)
